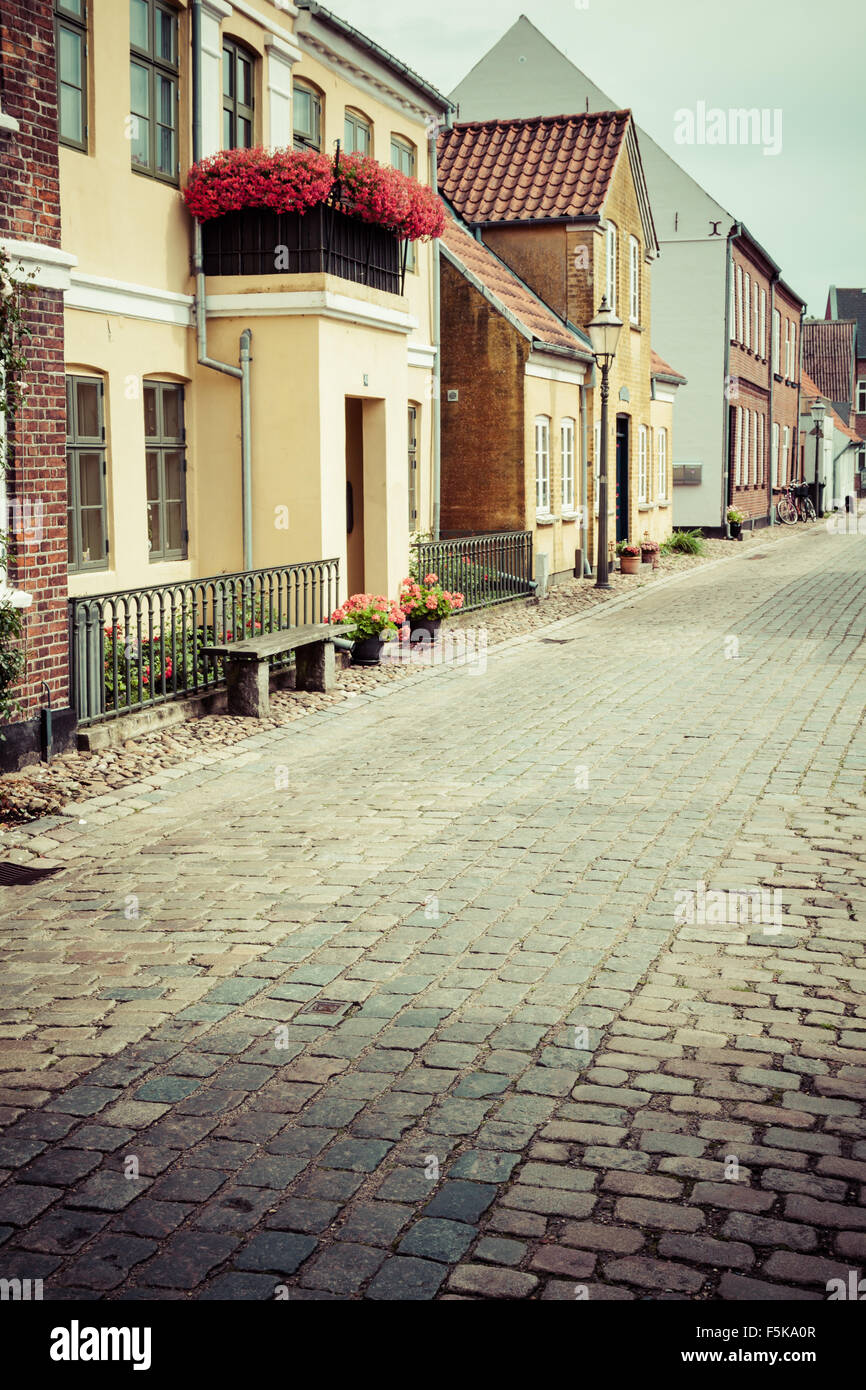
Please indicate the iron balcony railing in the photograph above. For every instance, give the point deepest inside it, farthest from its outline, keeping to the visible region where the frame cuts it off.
(133, 650)
(485, 569)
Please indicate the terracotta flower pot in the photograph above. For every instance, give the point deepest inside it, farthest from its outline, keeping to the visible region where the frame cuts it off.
(629, 564)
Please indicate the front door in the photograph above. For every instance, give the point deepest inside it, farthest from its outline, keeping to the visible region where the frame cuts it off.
(622, 441)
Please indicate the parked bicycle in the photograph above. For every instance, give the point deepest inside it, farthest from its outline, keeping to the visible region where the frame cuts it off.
(795, 504)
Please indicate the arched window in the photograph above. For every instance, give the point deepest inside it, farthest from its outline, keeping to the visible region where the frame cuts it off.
(611, 266)
(239, 67)
(308, 106)
(642, 469)
(357, 133)
(662, 465)
(165, 465)
(568, 433)
(542, 465)
(85, 473)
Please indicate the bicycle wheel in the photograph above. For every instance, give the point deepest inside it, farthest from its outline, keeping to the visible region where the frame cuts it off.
(786, 511)
(808, 510)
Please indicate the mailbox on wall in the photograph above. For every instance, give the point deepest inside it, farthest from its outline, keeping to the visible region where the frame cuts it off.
(687, 474)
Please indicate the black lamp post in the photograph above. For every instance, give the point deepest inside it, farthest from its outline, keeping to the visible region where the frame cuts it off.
(819, 410)
(604, 334)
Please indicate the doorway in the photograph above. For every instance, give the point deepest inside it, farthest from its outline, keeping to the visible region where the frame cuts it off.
(622, 453)
(355, 495)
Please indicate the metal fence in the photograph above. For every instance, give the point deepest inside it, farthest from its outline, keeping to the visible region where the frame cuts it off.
(485, 569)
(133, 650)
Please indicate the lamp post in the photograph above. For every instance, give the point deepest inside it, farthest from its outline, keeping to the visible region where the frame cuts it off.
(604, 334)
(819, 410)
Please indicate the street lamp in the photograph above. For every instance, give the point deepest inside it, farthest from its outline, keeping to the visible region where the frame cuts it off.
(819, 410)
(604, 334)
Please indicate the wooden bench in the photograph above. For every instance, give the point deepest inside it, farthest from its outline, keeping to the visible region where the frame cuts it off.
(247, 665)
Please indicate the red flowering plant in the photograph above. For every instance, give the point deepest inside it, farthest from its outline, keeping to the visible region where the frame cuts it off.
(370, 615)
(426, 599)
(288, 180)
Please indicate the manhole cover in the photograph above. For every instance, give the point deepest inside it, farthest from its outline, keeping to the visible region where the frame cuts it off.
(323, 1006)
(17, 875)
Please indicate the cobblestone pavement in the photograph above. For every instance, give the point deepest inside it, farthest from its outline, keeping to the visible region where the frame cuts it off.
(442, 992)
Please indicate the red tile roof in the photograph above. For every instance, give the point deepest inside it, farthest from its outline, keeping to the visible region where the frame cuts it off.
(659, 367)
(477, 261)
(524, 170)
(811, 393)
(828, 356)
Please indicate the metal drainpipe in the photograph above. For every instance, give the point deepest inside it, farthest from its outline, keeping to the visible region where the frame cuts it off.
(585, 389)
(241, 373)
(437, 339)
(772, 328)
(729, 331)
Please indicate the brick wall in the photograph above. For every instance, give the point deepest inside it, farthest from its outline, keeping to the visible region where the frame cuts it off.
(36, 475)
(484, 358)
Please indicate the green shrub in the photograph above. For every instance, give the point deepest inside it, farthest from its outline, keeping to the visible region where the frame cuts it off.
(685, 543)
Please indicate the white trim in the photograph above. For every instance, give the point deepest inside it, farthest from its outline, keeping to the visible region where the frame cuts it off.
(217, 9)
(50, 265)
(96, 295)
(668, 396)
(324, 303)
(281, 59)
(392, 92)
(541, 366)
(8, 122)
(280, 46)
(270, 24)
(422, 354)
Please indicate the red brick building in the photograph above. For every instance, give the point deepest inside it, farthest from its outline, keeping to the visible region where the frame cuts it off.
(850, 305)
(34, 489)
(763, 385)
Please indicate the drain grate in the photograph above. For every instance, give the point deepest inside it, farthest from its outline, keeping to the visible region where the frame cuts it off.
(18, 875)
(324, 1006)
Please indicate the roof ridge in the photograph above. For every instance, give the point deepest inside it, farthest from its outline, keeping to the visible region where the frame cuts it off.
(534, 120)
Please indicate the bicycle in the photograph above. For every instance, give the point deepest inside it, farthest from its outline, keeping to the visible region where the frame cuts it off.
(795, 505)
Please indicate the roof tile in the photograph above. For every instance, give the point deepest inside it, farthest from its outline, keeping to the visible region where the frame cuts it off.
(828, 356)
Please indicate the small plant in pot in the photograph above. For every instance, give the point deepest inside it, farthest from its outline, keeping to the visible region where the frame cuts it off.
(735, 522)
(426, 603)
(629, 557)
(374, 620)
(649, 552)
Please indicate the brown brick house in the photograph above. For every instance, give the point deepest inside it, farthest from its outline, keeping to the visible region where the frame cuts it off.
(850, 305)
(562, 201)
(34, 488)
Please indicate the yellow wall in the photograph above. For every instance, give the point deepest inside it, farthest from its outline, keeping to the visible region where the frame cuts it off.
(559, 538)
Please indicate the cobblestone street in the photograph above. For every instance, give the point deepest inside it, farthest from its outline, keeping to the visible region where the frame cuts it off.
(450, 989)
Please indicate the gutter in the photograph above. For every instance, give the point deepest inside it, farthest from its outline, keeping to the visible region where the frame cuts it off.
(241, 373)
(433, 139)
(726, 422)
(770, 422)
(585, 389)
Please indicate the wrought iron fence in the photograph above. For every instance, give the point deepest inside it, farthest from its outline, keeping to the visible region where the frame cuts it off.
(133, 650)
(485, 569)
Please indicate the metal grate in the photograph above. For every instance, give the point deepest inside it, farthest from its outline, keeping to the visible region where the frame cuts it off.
(19, 875)
(324, 1006)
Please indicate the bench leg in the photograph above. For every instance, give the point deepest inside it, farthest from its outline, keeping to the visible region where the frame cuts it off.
(316, 667)
(249, 688)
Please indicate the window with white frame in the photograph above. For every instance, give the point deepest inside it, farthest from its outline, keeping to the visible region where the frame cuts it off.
(732, 307)
(596, 462)
(642, 465)
(860, 399)
(739, 337)
(611, 266)
(747, 316)
(762, 449)
(662, 451)
(738, 446)
(634, 279)
(775, 456)
(744, 471)
(567, 436)
(755, 478)
(786, 450)
(542, 465)
(787, 348)
(792, 374)
(756, 315)
(777, 340)
(763, 337)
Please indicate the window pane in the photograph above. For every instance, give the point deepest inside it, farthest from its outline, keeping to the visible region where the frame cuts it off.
(88, 403)
(245, 82)
(75, 7)
(154, 534)
(151, 418)
(69, 57)
(166, 31)
(228, 73)
(90, 475)
(173, 526)
(138, 24)
(71, 114)
(172, 415)
(139, 89)
(165, 101)
(174, 477)
(92, 538)
(152, 468)
(245, 134)
(228, 141)
(303, 110)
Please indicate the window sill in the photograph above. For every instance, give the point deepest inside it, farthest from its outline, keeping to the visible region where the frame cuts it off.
(8, 122)
(16, 597)
(663, 505)
(571, 516)
(646, 506)
(544, 519)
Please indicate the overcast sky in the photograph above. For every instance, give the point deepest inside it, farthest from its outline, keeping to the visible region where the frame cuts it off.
(807, 206)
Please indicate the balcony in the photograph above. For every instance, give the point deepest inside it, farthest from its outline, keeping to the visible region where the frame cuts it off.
(323, 240)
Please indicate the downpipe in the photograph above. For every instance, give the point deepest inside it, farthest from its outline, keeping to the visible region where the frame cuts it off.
(243, 372)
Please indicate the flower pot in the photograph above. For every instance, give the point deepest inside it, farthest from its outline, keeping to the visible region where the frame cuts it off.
(647, 554)
(367, 651)
(629, 564)
(736, 530)
(429, 625)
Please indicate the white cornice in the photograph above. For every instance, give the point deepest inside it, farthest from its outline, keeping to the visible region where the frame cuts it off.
(278, 47)
(362, 77)
(311, 303)
(270, 24)
(539, 364)
(48, 265)
(97, 295)
(217, 9)
(422, 355)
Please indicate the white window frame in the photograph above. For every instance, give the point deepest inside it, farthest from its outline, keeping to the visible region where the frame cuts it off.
(747, 318)
(762, 449)
(542, 465)
(739, 337)
(775, 456)
(755, 478)
(786, 450)
(662, 453)
(732, 307)
(764, 324)
(738, 446)
(787, 349)
(860, 398)
(777, 342)
(744, 472)
(634, 279)
(642, 465)
(567, 437)
(792, 374)
(756, 316)
(611, 257)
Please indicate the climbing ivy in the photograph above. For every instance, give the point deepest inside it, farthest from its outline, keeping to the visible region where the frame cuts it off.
(14, 334)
